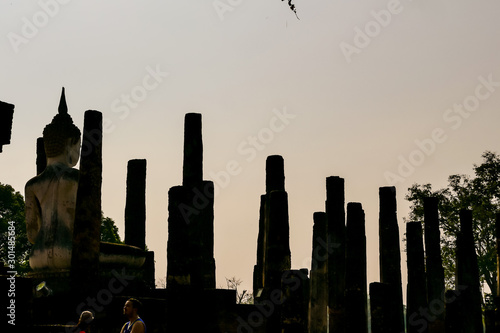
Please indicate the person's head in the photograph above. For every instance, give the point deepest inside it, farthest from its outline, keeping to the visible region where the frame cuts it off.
(85, 319)
(132, 307)
(61, 136)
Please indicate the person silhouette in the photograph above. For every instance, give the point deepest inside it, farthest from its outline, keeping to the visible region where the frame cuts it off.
(135, 324)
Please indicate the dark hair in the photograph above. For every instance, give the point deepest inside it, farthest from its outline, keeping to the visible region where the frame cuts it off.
(85, 319)
(135, 303)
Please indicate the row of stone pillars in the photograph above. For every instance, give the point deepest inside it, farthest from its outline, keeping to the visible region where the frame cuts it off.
(337, 288)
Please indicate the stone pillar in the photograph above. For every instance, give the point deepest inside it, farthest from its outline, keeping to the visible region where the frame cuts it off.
(135, 207)
(87, 227)
(178, 250)
(434, 264)
(275, 173)
(335, 211)
(294, 310)
(467, 277)
(382, 308)
(190, 248)
(41, 158)
(416, 296)
(355, 278)
(273, 248)
(318, 302)
(192, 172)
(278, 241)
(6, 117)
(453, 317)
(258, 272)
(390, 255)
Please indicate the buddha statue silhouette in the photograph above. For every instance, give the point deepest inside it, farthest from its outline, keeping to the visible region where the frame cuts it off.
(51, 203)
(51, 196)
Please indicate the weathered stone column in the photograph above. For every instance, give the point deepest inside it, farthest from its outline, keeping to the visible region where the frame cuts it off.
(381, 308)
(390, 255)
(278, 257)
(273, 248)
(273, 245)
(135, 207)
(258, 272)
(295, 307)
(190, 248)
(275, 173)
(356, 293)
(318, 302)
(335, 211)
(416, 296)
(87, 227)
(41, 158)
(467, 277)
(178, 250)
(192, 172)
(453, 317)
(434, 264)
(6, 117)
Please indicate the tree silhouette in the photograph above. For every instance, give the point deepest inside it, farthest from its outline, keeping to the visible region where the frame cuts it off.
(481, 194)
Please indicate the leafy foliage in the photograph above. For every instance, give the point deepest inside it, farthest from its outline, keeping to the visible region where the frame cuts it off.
(109, 231)
(243, 297)
(12, 215)
(481, 194)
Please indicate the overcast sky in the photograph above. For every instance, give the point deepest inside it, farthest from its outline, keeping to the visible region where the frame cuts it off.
(377, 92)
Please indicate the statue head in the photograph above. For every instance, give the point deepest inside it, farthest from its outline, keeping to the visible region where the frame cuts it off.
(61, 136)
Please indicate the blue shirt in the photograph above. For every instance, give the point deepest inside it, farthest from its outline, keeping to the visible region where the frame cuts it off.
(128, 328)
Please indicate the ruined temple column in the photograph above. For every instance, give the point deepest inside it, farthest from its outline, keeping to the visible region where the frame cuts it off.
(335, 211)
(192, 171)
(381, 308)
(390, 255)
(278, 241)
(318, 302)
(258, 272)
(135, 206)
(6, 117)
(190, 247)
(275, 173)
(355, 279)
(434, 264)
(416, 296)
(467, 277)
(295, 286)
(41, 158)
(87, 227)
(273, 244)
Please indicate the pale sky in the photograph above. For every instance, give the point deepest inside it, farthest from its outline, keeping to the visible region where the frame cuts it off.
(377, 92)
